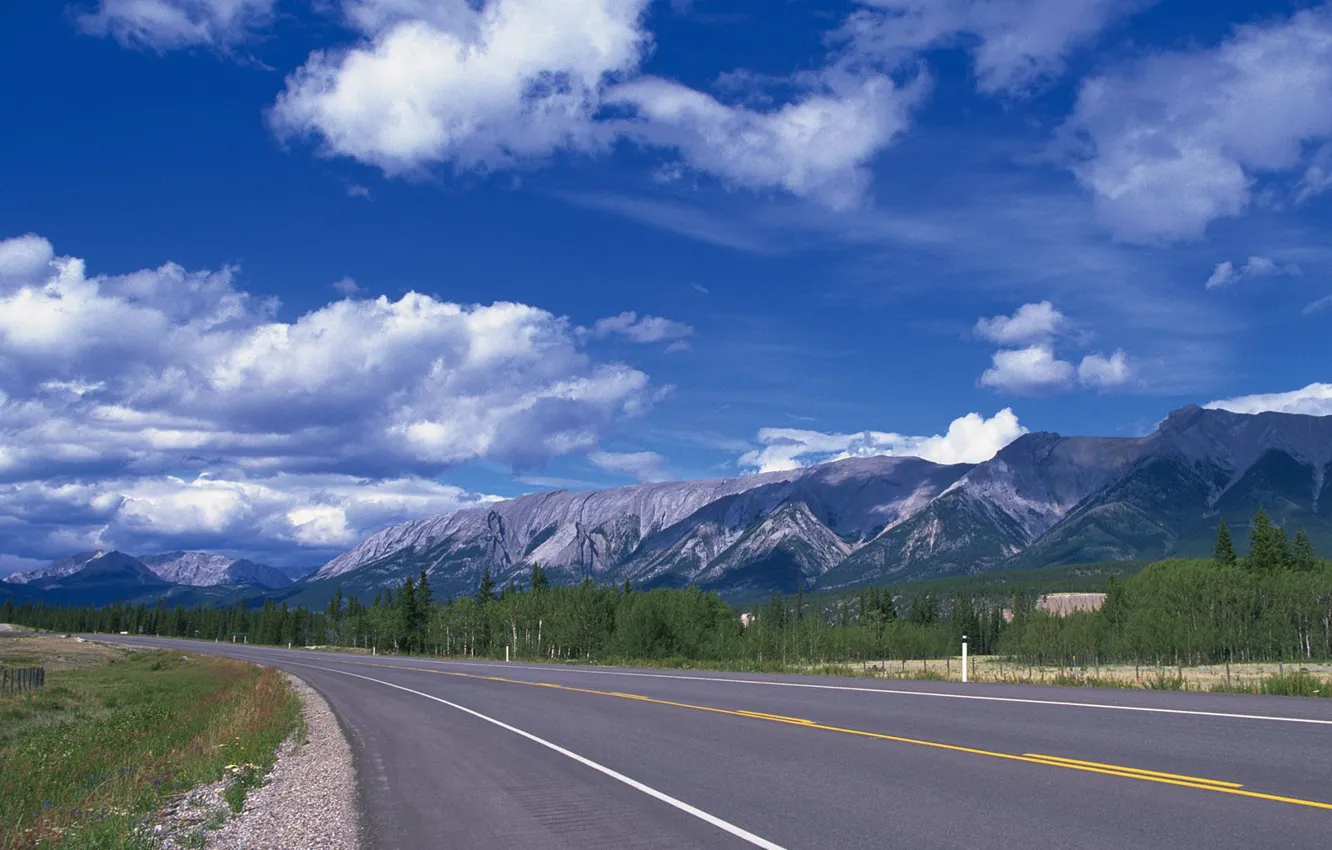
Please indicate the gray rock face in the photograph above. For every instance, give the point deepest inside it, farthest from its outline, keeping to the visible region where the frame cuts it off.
(1045, 499)
(193, 569)
(202, 569)
(47, 576)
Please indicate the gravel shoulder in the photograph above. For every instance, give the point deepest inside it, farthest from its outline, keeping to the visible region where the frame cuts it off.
(309, 799)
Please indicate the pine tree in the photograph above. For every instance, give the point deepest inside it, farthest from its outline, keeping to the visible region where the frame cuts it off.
(539, 582)
(1264, 548)
(1304, 557)
(486, 592)
(800, 602)
(1224, 553)
(423, 592)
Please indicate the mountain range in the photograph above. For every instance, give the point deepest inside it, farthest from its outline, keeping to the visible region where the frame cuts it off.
(1044, 500)
(101, 576)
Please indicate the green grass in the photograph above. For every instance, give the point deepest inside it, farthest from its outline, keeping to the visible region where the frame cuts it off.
(86, 761)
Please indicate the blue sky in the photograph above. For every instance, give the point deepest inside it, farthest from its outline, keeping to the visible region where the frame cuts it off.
(621, 240)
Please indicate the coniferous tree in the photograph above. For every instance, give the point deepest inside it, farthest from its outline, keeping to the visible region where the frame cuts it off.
(539, 582)
(1265, 556)
(1304, 557)
(486, 592)
(1224, 553)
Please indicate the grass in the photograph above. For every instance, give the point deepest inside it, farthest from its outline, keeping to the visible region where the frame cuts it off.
(88, 760)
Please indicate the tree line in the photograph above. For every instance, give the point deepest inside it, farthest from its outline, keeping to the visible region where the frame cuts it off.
(1273, 604)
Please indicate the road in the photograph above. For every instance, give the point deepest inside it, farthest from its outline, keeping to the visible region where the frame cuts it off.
(493, 755)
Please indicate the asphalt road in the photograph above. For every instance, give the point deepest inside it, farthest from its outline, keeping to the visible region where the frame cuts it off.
(492, 755)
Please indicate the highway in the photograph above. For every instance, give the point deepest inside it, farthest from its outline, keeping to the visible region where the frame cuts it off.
(495, 755)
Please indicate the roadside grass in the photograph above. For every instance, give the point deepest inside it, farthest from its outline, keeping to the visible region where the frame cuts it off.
(88, 760)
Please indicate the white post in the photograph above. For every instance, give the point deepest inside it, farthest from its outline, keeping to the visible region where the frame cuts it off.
(506, 654)
(964, 658)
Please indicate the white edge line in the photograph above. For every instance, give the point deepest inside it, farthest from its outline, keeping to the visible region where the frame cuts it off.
(851, 688)
(899, 692)
(725, 826)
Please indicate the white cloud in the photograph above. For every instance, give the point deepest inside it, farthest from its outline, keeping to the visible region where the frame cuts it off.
(173, 24)
(1031, 323)
(817, 146)
(347, 287)
(1317, 306)
(282, 517)
(641, 466)
(1317, 177)
(1225, 273)
(1170, 142)
(508, 82)
(1313, 400)
(1105, 373)
(480, 88)
(1014, 43)
(1033, 370)
(641, 329)
(970, 439)
(110, 384)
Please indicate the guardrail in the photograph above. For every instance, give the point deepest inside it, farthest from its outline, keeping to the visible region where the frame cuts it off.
(17, 681)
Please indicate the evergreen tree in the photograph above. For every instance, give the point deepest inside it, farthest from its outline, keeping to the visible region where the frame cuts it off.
(486, 592)
(1304, 557)
(1265, 555)
(800, 602)
(1224, 553)
(423, 592)
(539, 583)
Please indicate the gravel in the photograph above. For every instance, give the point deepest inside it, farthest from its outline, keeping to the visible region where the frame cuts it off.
(307, 801)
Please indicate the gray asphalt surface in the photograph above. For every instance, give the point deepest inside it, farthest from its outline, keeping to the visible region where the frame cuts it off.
(935, 771)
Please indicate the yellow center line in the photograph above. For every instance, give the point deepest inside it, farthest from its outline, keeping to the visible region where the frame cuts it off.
(1065, 761)
(1216, 785)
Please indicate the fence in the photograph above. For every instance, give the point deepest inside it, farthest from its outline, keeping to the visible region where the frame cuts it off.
(18, 681)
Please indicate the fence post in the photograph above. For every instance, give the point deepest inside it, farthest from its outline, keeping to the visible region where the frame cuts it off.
(964, 659)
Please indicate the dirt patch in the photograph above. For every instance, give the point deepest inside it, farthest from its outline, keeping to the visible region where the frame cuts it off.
(56, 652)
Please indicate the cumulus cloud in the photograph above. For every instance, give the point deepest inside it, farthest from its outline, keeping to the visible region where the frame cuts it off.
(1014, 43)
(1226, 273)
(817, 146)
(504, 83)
(1173, 141)
(478, 86)
(1032, 367)
(1097, 371)
(1033, 370)
(970, 439)
(110, 382)
(163, 25)
(1031, 323)
(641, 329)
(281, 518)
(1313, 400)
(641, 466)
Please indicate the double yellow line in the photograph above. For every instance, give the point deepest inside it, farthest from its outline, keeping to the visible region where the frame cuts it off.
(1216, 785)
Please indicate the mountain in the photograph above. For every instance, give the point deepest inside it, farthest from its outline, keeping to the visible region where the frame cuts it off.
(757, 532)
(1044, 500)
(104, 578)
(53, 572)
(201, 569)
(191, 569)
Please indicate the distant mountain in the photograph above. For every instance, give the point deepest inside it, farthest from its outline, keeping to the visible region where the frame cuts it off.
(104, 578)
(54, 571)
(180, 576)
(201, 569)
(1044, 500)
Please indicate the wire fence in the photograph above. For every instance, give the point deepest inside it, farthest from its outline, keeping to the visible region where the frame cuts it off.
(19, 680)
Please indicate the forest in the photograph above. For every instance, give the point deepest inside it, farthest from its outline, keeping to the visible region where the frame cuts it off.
(1273, 604)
